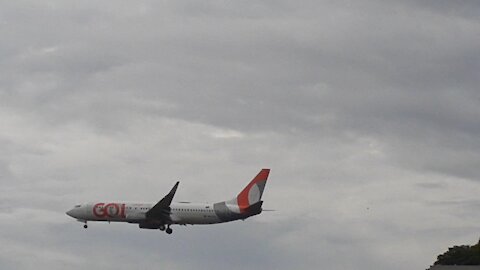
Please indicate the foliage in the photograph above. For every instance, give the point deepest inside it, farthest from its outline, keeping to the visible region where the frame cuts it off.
(460, 255)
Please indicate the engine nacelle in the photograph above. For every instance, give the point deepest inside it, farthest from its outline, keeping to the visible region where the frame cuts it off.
(149, 226)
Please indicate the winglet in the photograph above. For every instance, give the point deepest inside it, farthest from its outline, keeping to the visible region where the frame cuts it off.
(163, 204)
(167, 200)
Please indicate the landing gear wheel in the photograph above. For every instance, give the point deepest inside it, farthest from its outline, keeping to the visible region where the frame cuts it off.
(85, 226)
(169, 231)
(162, 227)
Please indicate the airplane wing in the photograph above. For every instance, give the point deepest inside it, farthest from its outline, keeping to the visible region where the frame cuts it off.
(161, 210)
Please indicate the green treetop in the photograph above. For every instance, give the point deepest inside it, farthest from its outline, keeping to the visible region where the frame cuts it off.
(460, 255)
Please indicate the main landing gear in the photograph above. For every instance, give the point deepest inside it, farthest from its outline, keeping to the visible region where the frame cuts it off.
(167, 229)
(85, 226)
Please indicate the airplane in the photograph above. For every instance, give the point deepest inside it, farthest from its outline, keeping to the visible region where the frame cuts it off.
(165, 213)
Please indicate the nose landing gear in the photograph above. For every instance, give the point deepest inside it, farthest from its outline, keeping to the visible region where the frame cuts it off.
(169, 230)
(85, 226)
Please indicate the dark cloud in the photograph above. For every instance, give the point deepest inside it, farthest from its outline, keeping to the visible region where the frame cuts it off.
(366, 113)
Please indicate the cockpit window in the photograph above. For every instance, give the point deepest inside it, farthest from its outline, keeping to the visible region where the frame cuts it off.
(78, 205)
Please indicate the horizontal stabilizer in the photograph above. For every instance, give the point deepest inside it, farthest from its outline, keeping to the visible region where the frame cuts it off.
(255, 209)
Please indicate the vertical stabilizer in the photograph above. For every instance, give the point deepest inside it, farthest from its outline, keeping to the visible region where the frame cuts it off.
(252, 193)
(247, 203)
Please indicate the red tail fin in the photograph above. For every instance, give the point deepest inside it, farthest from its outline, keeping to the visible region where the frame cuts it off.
(252, 193)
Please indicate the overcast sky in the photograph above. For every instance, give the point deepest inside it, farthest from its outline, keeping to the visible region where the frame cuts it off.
(367, 112)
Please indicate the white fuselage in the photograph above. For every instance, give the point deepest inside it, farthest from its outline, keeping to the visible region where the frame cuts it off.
(165, 212)
(180, 213)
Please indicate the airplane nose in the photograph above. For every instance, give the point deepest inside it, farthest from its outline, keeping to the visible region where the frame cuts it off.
(70, 213)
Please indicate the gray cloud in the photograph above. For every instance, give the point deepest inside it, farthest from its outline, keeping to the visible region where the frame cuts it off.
(366, 113)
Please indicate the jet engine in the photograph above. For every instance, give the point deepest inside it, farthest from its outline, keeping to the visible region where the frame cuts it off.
(148, 226)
